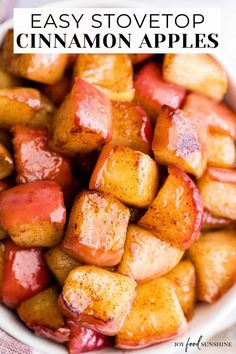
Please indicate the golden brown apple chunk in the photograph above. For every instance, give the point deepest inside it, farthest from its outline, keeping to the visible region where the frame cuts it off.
(214, 257)
(218, 192)
(42, 309)
(44, 68)
(220, 150)
(184, 279)
(111, 73)
(180, 139)
(97, 298)
(128, 174)
(196, 72)
(155, 316)
(175, 216)
(59, 263)
(97, 229)
(146, 257)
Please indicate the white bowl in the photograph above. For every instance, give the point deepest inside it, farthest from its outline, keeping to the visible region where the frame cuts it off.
(207, 319)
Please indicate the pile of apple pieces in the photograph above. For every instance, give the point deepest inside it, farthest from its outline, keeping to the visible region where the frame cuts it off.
(142, 242)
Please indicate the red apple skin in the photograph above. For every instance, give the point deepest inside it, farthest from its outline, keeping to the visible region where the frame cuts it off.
(36, 161)
(217, 115)
(151, 91)
(93, 110)
(60, 335)
(25, 274)
(85, 340)
(31, 203)
(109, 329)
(221, 175)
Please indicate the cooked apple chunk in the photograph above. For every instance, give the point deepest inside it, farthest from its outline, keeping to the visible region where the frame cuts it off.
(146, 257)
(97, 229)
(155, 316)
(6, 162)
(34, 213)
(184, 279)
(83, 122)
(217, 115)
(220, 150)
(179, 139)
(111, 73)
(152, 91)
(196, 72)
(25, 274)
(42, 309)
(21, 105)
(218, 192)
(96, 298)
(214, 257)
(175, 216)
(59, 263)
(44, 68)
(131, 127)
(129, 175)
(36, 161)
(211, 222)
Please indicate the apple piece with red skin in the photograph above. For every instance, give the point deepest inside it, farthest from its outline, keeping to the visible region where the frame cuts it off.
(152, 91)
(83, 339)
(103, 298)
(83, 122)
(36, 161)
(131, 127)
(217, 115)
(211, 222)
(33, 213)
(218, 191)
(180, 139)
(60, 335)
(155, 316)
(138, 58)
(175, 216)
(111, 73)
(25, 274)
(96, 229)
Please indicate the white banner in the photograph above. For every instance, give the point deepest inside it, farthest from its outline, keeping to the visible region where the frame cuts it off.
(120, 30)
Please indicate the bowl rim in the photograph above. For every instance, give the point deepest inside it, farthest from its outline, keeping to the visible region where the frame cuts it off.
(207, 319)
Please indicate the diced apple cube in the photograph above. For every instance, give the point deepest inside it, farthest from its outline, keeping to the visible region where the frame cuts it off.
(83, 122)
(175, 216)
(196, 72)
(96, 230)
(129, 175)
(97, 298)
